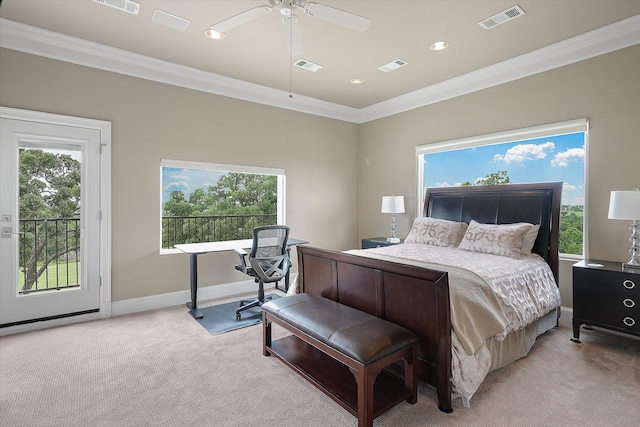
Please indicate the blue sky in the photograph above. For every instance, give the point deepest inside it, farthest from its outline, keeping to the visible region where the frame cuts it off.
(557, 158)
(186, 180)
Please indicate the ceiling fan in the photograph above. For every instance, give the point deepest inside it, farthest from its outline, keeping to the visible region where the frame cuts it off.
(290, 20)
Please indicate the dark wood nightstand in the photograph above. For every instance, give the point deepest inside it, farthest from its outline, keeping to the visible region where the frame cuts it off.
(607, 296)
(377, 242)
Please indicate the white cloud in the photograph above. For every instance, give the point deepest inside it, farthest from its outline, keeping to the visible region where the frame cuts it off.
(566, 157)
(177, 185)
(568, 187)
(480, 181)
(180, 178)
(523, 152)
(446, 184)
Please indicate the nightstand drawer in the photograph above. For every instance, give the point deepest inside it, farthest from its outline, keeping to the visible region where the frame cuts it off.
(622, 319)
(605, 280)
(606, 296)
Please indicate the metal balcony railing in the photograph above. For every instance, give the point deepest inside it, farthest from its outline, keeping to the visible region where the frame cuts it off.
(49, 249)
(214, 228)
(48, 254)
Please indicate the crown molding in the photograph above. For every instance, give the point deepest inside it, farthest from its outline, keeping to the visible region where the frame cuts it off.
(36, 41)
(48, 44)
(607, 39)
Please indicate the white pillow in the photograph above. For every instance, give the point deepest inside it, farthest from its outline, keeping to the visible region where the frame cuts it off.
(497, 239)
(529, 239)
(436, 232)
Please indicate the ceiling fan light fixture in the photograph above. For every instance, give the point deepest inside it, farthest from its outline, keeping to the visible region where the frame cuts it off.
(214, 35)
(441, 45)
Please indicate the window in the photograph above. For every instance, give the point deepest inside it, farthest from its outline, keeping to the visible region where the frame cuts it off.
(554, 152)
(207, 202)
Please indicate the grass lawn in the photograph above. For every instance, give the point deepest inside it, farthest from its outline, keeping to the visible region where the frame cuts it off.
(57, 274)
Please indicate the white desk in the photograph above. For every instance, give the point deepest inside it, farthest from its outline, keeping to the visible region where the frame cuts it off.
(195, 249)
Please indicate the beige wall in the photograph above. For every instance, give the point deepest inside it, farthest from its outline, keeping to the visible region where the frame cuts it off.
(606, 90)
(151, 121)
(333, 197)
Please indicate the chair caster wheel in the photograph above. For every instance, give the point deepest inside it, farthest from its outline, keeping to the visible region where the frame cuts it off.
(238, 317)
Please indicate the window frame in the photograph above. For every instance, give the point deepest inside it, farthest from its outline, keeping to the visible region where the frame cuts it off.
(221, 167)
(515, 135)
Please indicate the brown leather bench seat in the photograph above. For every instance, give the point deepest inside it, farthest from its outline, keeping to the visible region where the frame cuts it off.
(362, 343)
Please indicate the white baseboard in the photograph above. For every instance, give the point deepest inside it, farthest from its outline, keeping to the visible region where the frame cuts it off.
(172, 299)
(153, 302)
(566, 314)
(48, 324)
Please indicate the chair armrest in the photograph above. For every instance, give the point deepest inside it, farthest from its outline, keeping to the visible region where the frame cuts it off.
(242, 254)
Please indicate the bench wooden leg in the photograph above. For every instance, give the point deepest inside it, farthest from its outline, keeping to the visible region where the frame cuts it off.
(365, 379)
(266, 334)
(411, 375)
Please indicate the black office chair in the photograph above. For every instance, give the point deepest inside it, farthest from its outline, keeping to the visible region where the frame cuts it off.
(268, 261)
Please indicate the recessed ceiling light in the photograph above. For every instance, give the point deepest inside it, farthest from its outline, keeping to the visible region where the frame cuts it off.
(439, 45)
(356, 80)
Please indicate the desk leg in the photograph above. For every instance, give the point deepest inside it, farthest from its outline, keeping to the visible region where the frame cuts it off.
(193, 305)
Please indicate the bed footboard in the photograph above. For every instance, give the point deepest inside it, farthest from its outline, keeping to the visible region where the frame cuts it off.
(412, 297)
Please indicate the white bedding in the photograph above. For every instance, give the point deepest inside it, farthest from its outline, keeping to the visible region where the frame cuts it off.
(525, 288)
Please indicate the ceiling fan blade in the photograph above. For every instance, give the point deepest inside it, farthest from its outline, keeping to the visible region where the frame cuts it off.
(337, 16)
(241, 18)
(293, 35)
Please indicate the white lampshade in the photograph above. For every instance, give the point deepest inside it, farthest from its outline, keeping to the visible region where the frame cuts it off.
(393, 204)
(624, 205)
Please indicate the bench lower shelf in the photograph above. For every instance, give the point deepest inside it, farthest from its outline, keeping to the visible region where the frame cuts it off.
(334, 378)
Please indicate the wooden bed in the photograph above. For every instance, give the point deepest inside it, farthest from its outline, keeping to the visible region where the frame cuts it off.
(418, 298)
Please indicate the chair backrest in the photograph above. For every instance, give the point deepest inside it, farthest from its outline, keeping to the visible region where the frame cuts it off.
(269, 256)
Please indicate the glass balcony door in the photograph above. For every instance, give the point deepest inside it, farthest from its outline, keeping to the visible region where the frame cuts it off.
(50, 219)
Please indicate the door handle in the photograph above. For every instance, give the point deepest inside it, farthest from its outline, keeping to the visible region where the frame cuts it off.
(7, 233)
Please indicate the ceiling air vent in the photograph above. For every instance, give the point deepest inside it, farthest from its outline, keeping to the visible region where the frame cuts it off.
(125, 5)
(307, 65)
(170, 20)
(502, 17)
(393, 65)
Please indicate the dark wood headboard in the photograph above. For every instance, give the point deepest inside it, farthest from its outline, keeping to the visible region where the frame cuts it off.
(537, 203)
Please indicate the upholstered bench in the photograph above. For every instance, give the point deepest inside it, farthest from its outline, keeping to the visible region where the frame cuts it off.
(328, 340)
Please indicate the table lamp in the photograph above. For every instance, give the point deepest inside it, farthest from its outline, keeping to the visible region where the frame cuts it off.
(393, 205)
(626, 205)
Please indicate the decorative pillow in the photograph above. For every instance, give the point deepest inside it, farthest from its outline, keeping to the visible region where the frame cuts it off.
(436, 232)
(497, 239)
(529, 239)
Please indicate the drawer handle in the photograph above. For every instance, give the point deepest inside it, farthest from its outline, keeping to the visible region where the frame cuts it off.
(629, 321)
(628, 284)
(628, 302)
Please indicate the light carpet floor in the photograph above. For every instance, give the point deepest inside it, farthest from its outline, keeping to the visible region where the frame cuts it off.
(161, 368)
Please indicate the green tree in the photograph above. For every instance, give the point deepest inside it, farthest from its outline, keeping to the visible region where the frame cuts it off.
(241, 195)
(49, 189)
(493, 178)
(571, 226)
(177, 205)
(238, 193)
